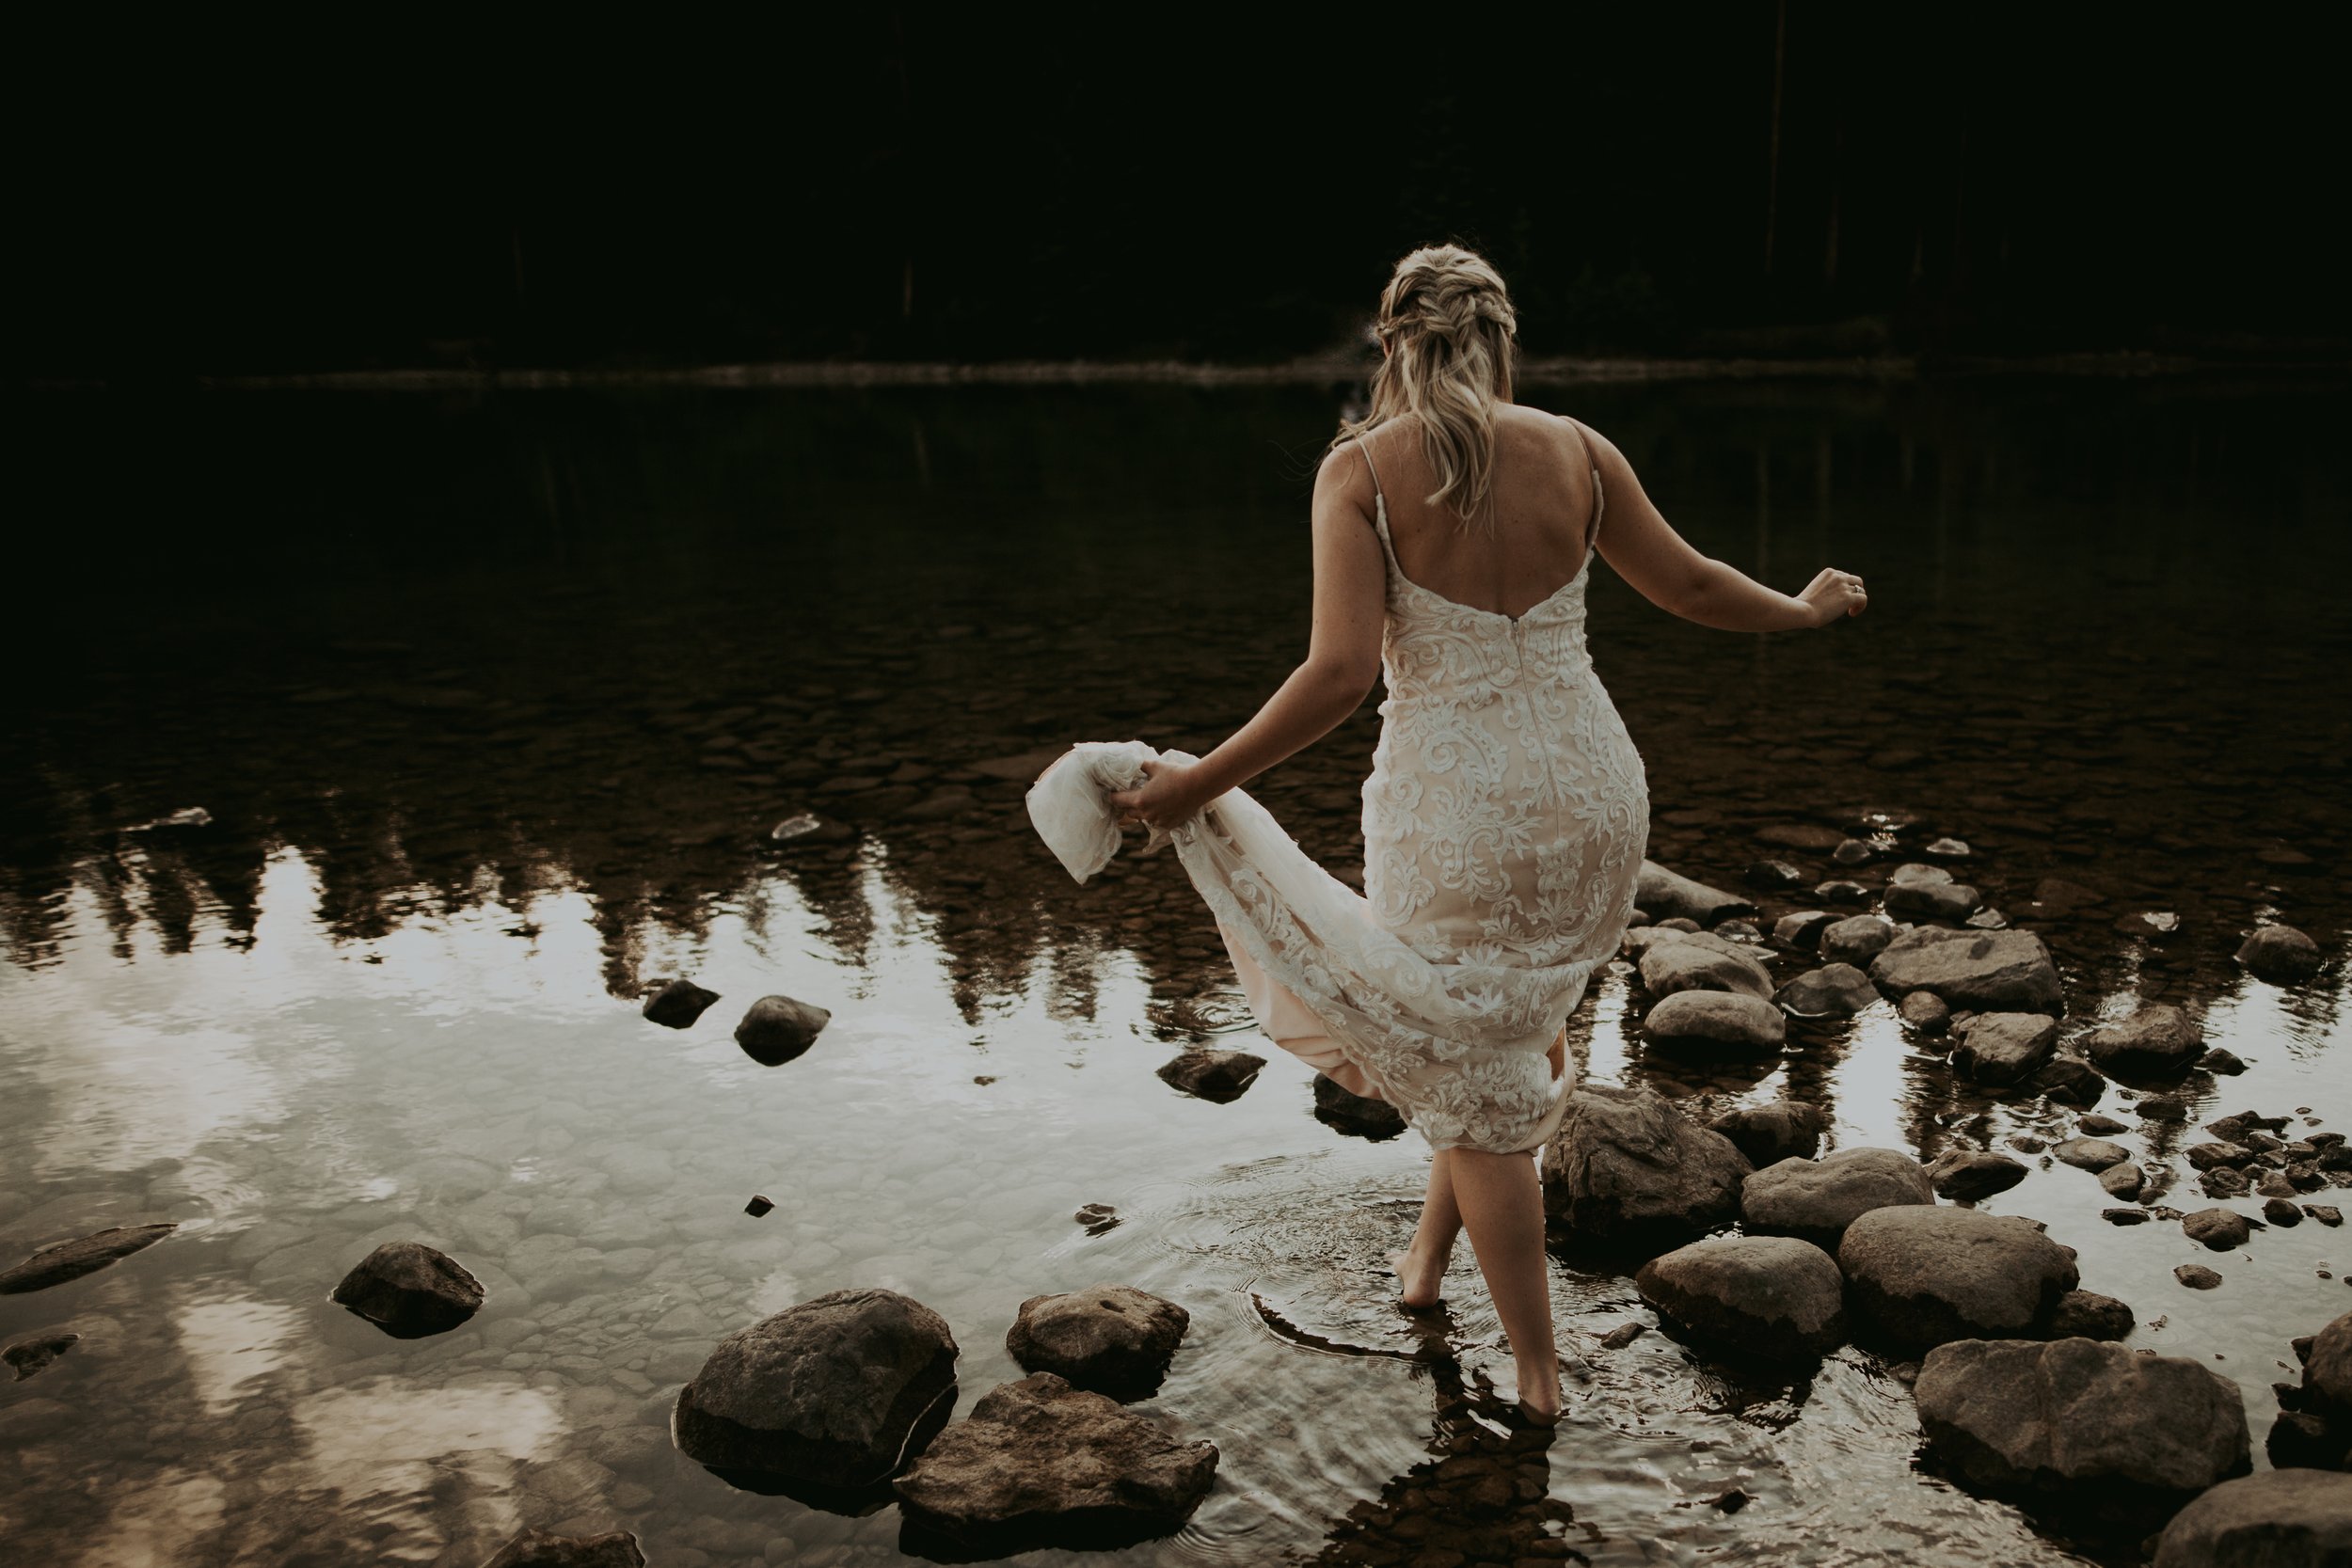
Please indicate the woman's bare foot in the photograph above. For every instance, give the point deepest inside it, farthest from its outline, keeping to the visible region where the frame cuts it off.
(1421, 1279)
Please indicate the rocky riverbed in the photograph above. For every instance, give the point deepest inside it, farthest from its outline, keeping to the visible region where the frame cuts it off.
(333, 953)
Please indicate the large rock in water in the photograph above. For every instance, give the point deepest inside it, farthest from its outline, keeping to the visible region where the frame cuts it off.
(2327, 1370)
(2279, 1519)
(1627, 1169)
(1663, 895)
(1356, 1114)
(835, 1391)
(2158, 1039)
(409, 1289)
(2280, 953)
(1718, 1022)
(1039, 1462)
(1772, 1297)
(1790, 1128)
(1919, 1277)
(1700, 961)
(1817, 1200)
(2082, 1419)
(2004, 1048)
(778, 1028)
(1965, 1175)
(535, 1548)
(1113, 1340)
(677, 1003)
(61, 1261)
(1986, 971)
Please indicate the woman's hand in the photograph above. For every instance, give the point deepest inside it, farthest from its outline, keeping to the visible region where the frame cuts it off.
(1167, 795)
(1834, 594)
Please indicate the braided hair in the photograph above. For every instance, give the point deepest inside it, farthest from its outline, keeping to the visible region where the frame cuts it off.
(1453, 345)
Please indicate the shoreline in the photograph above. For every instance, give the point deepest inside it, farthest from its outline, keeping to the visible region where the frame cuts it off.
(1555, 370)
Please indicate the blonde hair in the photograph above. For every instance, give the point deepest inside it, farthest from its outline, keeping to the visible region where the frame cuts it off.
(1453, 348)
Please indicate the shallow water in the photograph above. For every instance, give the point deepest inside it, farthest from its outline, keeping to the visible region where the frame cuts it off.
(493, 703)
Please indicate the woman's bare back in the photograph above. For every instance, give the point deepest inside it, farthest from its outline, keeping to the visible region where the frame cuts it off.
(1542, 519)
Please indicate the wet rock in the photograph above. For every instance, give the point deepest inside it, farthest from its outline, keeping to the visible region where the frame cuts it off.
(66, 1260)
(1111, 1339)
(1703, 962)
(1731, 1022)
(2326, 1214)
(1987, 971)
(1772, 1297)
(1918, 874)
(1739, 928)
(31, 1357)
(1358, 1116)
(2090, 1153)
(2225, 1182)
(2328, 1370)
(2148, 925)
(1931, 900)
(1790, 1129)
(1817, 1200)
(1772, 874)
(2280, 954)
(2197, 1276)
(1627, 1169)
(2160, 1107)
(409, 1289)
(2089, 1315)
(1926, 1012)
(760, 1206)
(2157, 1038)
(1835, 990)
(2220, 1229)
(2004, 1048)
(2222, 1061)
(2081, 1419)
(1965, 1175)
(1094, 1213)
(2280, 1211)
(1987, 920)
(1663, 895)
(2125, 1216)
(2096, 1126)
(1858, 938)
(1919, 1275)
(1623, 1335)
(776, 1029)
(1214, 1075)
(1853, 852)
(1801, 929)
(1948, 849)
(2290, 1518)
(535, 1548)
(2122, 1181)
(677, 1003)
(833, 1391)
(1039, 1462)
(2301, 1440)
(2069, 1081)
(1842, 890)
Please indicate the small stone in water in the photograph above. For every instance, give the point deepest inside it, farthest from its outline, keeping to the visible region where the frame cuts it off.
(2326, 1214)
(758, 1206)
(1773, 874)
(1948, 849)
(2125, 1216)
(677, 1003)
(1623, 1335)
(1853, 851)
(2277, 1211)
(1988, 919)
(2197, 1276)
(2161, 1107)
(1841, 891)
(30, 1357)
(2219, 1060)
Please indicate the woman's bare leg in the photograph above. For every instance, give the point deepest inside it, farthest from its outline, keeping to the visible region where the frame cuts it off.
(1422, 1265)
(1501, 1202)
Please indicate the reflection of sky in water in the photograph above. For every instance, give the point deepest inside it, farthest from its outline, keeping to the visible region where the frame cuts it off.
(389, 996)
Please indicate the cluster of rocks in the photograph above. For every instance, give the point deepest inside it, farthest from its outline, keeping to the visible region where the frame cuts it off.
(774, 1030)
(848, 1395)
(2022, 1387)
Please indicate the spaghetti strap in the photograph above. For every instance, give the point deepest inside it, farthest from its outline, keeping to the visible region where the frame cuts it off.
(1374, 472)
(1599, 499)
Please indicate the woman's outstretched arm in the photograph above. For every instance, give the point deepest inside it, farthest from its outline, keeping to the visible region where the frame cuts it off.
(1642, 547)
(1341, 666)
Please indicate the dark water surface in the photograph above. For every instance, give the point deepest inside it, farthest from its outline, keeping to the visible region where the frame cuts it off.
(493, 703)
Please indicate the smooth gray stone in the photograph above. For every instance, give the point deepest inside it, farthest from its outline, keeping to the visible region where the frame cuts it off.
(1817, 1200)
(1858, 938)
(2004, 1048)
(61, 1261)
(2218, 1229)
(1732, 1023)
(2082, 1419)
(2280, 954)
(2089, 1315)
(2286, 1518)
(1835, 990)
(1663, 894)
(1983, 971)
(776, 1029)
(1919, 1277)
(1788, 1128)
(1931, 900)
(1965, 1175)
(2157, 1038)
(2093, 1154)
(1687, 964)
(1108, 1337)
(1772, 1297)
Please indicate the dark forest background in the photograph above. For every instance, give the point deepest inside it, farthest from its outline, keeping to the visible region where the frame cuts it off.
(966, 184)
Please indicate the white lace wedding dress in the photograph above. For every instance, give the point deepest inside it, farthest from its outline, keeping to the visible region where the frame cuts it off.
(1504, 824)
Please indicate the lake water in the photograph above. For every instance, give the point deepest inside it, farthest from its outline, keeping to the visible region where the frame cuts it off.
(493, 701)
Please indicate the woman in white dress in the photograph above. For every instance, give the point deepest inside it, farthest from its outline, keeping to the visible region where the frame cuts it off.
(1507, 810)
